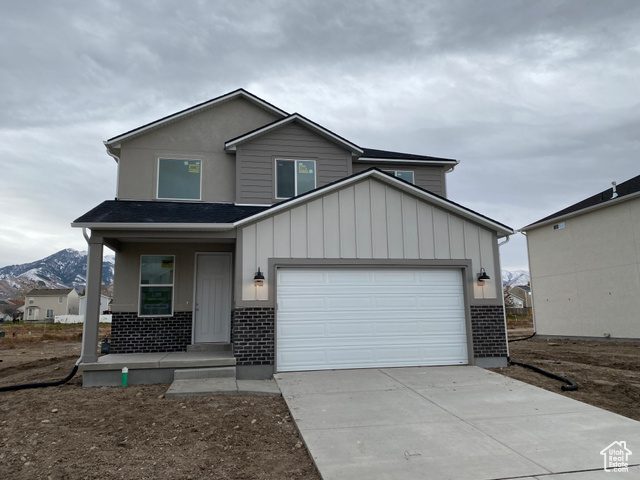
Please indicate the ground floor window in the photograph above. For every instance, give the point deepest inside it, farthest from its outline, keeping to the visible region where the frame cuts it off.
(156, 285)
(49, 313)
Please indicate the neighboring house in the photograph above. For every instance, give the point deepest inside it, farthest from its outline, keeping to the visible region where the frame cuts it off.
(104, 304)
(523, 293)
(236, 222)
(585, 266)
(511, 300)
(45, 303)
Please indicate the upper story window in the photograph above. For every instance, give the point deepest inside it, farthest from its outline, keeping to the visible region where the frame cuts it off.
(406, 175)
(179, 179)
(30, 301)
(294, 177)
(60, 299)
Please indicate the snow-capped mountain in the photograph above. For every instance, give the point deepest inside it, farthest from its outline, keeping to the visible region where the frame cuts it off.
(64, 269)
(516, 277)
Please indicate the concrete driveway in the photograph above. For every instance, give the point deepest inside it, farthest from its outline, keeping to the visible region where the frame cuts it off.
(450, 423)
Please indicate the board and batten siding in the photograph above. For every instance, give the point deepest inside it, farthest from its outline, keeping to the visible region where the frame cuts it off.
(366, 220)
(429, 177)
(255, 161)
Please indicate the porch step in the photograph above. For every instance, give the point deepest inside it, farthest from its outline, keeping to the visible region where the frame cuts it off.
(200, 373)
(222, 386)
(210, 347)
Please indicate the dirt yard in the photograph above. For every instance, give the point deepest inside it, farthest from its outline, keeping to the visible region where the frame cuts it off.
(68, 432)
(607, 372)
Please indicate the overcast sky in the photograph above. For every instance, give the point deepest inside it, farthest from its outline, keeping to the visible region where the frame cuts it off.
(539, 100)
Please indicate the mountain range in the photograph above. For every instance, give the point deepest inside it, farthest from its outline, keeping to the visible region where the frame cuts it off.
(516, 277)
(64, 269)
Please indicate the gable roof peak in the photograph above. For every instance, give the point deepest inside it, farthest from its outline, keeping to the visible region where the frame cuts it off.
(232, 144)
(187, 112)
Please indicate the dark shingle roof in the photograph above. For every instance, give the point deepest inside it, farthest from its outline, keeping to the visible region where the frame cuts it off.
(127, 211)
(385, 154)
(626, 188)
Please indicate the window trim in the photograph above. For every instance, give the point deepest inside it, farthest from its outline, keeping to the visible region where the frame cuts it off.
(295, 177)
(395, 174)
(172, 285)
(183, 159)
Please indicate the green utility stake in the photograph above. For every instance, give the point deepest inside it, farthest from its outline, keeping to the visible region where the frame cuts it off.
(125, 374)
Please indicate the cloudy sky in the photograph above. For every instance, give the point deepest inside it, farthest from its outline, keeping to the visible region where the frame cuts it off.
(539, 100)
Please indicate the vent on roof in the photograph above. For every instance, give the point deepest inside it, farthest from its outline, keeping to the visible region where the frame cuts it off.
(615, 194)
(558, 226)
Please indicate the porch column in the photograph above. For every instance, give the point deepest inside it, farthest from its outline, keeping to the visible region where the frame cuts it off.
(92, 293)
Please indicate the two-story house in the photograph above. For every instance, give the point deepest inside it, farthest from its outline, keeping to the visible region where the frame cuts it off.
(236, 223)
(43, 304)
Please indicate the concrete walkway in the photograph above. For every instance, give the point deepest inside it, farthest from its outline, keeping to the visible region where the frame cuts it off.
(221, 386)
(450, 423)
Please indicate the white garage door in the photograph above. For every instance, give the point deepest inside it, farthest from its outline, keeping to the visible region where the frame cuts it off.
(364, 317)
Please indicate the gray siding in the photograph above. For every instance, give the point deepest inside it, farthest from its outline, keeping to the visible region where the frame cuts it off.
(199, 137)
(429, 177)
(255, 161)
(367, 220)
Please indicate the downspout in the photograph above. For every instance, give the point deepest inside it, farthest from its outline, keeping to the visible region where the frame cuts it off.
(117, 159)
(504, 308)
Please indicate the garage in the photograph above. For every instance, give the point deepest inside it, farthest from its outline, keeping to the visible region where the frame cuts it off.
(337, 318)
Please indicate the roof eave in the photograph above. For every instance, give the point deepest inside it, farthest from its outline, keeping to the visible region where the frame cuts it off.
(397, 160)
(201, 227)
(566, 216)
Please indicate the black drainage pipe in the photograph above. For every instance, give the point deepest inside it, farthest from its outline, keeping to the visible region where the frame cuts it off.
(24, 386)
(571, 385)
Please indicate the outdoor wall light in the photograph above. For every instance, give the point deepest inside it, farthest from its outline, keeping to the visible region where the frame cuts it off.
(258, 280)
(483, 277)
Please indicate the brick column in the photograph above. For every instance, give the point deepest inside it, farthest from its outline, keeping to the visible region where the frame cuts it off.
(253, 335)
(489, 335)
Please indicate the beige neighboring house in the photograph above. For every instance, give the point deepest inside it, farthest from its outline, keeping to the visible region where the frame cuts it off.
(521, 295)
(585, 266)
(237, 223)
(45, 303)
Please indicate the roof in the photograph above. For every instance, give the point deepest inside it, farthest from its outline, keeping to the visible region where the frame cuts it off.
(49, 292)
(375, 155)
(433, 198)
(241, 92)
(625, 191)
(184, 215)
(165, 212)
(295, 117)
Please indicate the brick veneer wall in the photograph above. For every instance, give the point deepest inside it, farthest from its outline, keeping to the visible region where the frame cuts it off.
(489, 335)
(253, 335)
(133, 334)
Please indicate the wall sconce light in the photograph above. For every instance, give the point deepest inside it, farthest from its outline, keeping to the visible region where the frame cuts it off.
(483, 277)
(258, 280)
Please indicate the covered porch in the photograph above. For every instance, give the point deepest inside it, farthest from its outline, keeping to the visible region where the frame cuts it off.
(161, 325)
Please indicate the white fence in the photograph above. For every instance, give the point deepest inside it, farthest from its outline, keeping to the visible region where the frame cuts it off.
(79, 319)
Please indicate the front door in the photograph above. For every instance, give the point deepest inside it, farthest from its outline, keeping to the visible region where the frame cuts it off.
(213, 298)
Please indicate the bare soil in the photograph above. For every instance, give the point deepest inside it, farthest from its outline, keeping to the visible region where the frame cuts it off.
(70, 432)
(607, 372)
